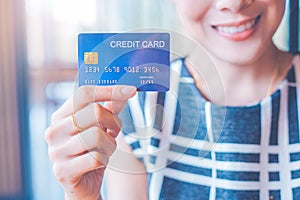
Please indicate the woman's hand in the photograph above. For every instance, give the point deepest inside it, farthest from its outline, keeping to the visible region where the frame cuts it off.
(82, 135)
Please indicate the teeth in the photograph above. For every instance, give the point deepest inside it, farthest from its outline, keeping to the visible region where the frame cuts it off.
(236, 29)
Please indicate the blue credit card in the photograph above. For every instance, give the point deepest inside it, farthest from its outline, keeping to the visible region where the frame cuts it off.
(138, 59)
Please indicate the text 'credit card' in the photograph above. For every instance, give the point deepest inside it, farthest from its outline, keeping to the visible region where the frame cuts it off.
(138, 59)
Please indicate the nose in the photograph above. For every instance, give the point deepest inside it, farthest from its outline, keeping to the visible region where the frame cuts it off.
(233, 5)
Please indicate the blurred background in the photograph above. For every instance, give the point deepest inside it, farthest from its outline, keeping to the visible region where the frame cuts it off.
(38, 69)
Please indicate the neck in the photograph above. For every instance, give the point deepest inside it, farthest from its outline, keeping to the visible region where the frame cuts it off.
(233, 84)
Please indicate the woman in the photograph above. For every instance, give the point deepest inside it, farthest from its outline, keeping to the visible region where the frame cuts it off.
(247, 135)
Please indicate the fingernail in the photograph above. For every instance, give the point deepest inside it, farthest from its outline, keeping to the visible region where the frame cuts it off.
(128, 90)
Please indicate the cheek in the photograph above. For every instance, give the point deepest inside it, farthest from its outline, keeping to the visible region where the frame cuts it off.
(275, 8)
(192, 10)
(276, 11)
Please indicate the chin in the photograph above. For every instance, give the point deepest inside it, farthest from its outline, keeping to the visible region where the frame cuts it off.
(240, 54)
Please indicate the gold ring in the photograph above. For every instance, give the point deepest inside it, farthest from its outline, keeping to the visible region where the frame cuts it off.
(76, 125)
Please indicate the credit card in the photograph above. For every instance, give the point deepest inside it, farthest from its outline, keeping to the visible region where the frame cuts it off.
(138, 59)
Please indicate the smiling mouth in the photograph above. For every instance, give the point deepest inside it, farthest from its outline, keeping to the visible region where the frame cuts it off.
(236, 29)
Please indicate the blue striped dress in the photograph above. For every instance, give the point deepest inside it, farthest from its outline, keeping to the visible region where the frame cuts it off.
(196, 150)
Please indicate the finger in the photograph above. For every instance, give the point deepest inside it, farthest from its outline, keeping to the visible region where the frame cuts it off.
(72, 169)
(60, 132)
(87, 162)
(96, 115)
(90, 94)
(92, 115)
(93, 139)
(109, 106)
(115, 106)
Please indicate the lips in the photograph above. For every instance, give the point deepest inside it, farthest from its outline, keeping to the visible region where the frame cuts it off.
(237, 31)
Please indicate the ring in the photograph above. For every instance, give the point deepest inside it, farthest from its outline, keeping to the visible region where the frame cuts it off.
(76, 125)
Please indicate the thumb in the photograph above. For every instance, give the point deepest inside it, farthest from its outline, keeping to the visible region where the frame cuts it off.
(123, 92)
(117, 104)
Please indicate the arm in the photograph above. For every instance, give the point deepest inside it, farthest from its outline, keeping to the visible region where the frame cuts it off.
(126, 175)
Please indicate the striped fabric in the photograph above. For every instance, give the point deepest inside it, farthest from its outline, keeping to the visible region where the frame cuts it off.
(193, 149)
(294, 26)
